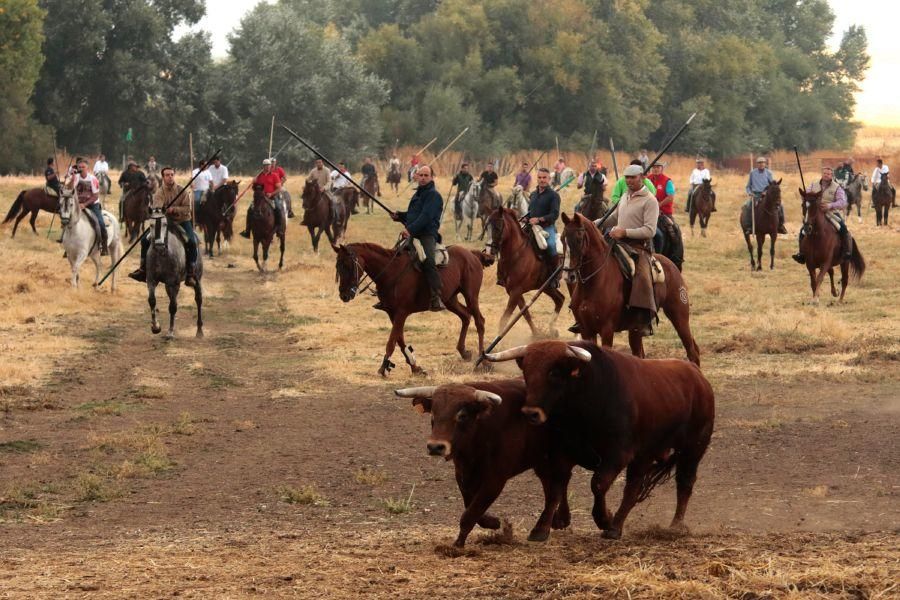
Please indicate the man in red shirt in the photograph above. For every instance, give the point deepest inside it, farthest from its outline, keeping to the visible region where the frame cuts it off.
(665, 195)
(285, 196)
(271, 183)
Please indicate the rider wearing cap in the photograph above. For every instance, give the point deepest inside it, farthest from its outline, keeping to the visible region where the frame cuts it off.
(757, 182)
(87, 189)
(271, 183)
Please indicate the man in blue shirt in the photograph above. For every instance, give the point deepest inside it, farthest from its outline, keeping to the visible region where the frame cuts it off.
(759, 180)
(544, 211)
(422, 220)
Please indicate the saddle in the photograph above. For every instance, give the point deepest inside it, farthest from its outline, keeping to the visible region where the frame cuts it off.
(50, 192)
(625, 258)
(540, 240)
(441, 254)
(834, 220)
(92, 219)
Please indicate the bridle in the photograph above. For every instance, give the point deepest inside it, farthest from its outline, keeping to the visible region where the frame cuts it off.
(585, 241)
(360, 275)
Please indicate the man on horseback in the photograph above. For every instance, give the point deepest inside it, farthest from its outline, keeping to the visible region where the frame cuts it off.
(759, 180)
(339, 181)
(180, 213)
(593, 181)
(320, 174)
(665, 194)
(131, 180)
(844, 173)
(153, 170)
(833, 201)
(634, 224)
(201, 184)
(622, 186)
(523, 177)
(422, 221)
(87, 189)
(543, 210)
(218, 174)
(489, 177)
(283, 195)
(462, 181)
(698, 176)
(101, 171)
(271, 183)
(51, 178)
(882, 169)
(368, 172)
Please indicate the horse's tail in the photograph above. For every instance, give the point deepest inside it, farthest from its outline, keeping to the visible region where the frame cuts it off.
(857, 263)
(15, 208)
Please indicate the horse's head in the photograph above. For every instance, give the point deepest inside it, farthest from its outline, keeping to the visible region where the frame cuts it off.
(67, 206)
(811, 202)
(706, 185)
(310, 189)
(864, 181)
(348, 271)
(576, 237)
(496, 223)
(772, 194)
(159, 226)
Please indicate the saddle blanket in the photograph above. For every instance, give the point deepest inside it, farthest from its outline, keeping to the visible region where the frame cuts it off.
(540, 238)
(441, 254)
(626, 263)
(50, 192)
(834, 220)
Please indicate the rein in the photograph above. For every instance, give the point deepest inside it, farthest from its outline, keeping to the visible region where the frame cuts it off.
(373, 278)
(581, 263)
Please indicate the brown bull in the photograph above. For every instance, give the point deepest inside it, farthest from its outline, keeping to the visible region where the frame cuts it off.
(614, 412)
(481, 427)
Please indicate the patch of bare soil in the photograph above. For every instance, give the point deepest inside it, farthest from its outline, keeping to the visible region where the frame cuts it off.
(206, 468)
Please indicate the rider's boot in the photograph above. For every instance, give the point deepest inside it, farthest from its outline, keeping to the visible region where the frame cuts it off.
(576, 328)
(436, 304)
(140, 274)
(189, 279)
(846, 245)
(781, 228)
(246, 232)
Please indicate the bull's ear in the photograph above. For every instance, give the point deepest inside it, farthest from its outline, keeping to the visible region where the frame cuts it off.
(422, 405)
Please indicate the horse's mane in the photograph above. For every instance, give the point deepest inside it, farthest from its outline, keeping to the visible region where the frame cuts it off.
(371, 247)
(591, 230)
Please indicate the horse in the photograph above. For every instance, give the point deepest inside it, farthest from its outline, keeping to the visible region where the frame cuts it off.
(166, 264)
(469, 209)
(882, 198)
(349, 195)
(402, 291)
(394, 178)
(81, 241)
(317, 213)
(517, 201)
(593, 206)
(519, 260)
(136, 210)
(764, 221)
(487, 199)
(212, 216)
(821, 247)
(263, 228)
(599, 292)
(371, 185)
(854, 191)
(346, 200)
(701, 205)
(31, 201)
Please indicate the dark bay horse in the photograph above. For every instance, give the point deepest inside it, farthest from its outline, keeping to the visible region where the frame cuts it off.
(394, 178)
(599, 292)
(701, 205)
(371, 185)
(764, 221)
(402, 291)
(882, 198)
(136, 210)
(317, 213)
(821, 246)
(854, 190)
(213, 219)
(263, 228)
(31, 201)
(593, 206)
(488, 199)
(524, 269)
(340, 221)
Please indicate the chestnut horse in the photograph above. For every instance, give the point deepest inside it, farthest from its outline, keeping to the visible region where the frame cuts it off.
(136, 210)
(765, 221)
(264, 229)
(31, 201)
(593, 206)
(701, 206)
(600, 290)
(821, 247)
(402, 291)
(317, 213)
(394, 178)
(518, 259)
(882, 198)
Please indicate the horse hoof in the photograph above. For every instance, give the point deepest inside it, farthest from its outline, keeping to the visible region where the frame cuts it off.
(611, 534)
(538, 535)
(466, 355)
(155, 330)
(199, 333)
(170, 335)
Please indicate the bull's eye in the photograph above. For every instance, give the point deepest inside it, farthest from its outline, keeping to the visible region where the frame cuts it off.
(462, 416)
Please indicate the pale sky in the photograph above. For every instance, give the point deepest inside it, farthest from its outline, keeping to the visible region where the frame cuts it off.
(877, 103)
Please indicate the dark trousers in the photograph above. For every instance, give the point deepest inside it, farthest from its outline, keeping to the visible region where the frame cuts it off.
(429, 245)
(190, 248)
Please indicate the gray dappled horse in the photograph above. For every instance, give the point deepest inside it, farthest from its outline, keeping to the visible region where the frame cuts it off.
(518, 201)
(166, 264)
(854, 189)
(81, 239)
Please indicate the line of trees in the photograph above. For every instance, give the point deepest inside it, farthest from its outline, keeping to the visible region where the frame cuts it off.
(362, 76)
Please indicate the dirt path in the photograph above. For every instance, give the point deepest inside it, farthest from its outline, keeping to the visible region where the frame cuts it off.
(198, 451)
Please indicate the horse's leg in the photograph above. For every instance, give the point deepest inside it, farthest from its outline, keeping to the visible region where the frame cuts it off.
(760, 244)
(198, 300)
(704, 223)
(34, 216)
(281, 259)
(679, 314)
(507, 313)
(558, 302)
(520, 302)
(454, 306)
(606, 336)
(772, 251)
(693, 217)
(151, 299)
(19, 219)
(95, 257)
(397, 324)
(831, 277)
(750, 249)
(471, 297)
(256, 254)
(172, 292)
(636, 342)
(845, 276)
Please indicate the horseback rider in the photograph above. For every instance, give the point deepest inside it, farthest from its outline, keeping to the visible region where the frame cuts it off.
(422, 221)
(101, 171)
(413, 167)
(634, 224)
(87, 190)
(338, 181)
(882, 169)
(489, 177)
(368, 172)
(833, 202)
(180, 213)
(320, 174)
(271, 183)
(523, 177)
(153, 170)
(593, 180)
(51, 178)
(644, 160)
(844, 173)
(283, 197)
(757, 182)
(131, 180)
(394, 163)
(622, 186)
(462, 181)
(218, 174)
(543, 211)
(558, 169)
(665, 194)
(202, 182)
(698, 176)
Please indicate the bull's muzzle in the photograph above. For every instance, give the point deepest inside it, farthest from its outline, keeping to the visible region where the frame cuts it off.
(535, 415)
(436, 448)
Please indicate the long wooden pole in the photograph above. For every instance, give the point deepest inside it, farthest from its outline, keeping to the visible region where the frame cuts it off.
(191, 152)
(433, 161)
(271, 137)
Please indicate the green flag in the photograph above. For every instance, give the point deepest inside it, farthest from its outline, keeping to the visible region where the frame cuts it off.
(129, 137)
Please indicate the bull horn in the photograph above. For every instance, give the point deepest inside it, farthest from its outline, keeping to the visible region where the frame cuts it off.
(488, 396)
(511, 354)
(579, 353)
(426, 391)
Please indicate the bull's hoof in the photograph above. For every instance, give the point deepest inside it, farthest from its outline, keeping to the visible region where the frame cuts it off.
(155, 329)
(611, 534)
(539, 535)
(489, 522)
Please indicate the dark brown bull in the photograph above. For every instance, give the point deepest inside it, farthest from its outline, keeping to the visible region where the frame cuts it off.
(481, 427)
(615, 411)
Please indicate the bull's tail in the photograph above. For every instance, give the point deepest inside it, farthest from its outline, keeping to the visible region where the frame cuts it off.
(15, 208)
(857, 263)
(658, 473)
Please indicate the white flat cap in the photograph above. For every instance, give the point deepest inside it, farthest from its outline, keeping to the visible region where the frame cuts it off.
(633, 171)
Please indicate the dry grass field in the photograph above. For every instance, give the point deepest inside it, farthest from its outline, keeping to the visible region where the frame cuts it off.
(269, 460)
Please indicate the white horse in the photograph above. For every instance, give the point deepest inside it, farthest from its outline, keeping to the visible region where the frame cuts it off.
(470, 208)
(80, 239)
(518, 201)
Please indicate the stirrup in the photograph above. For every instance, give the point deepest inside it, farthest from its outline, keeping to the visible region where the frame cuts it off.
(799, 258)
(576, 328)
(139, 274)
